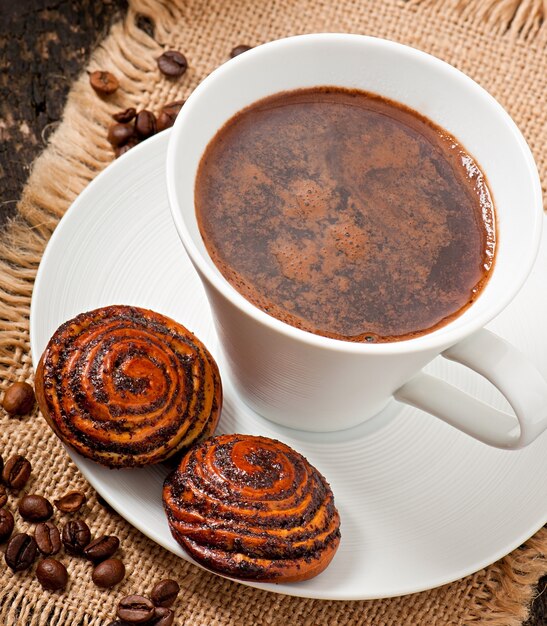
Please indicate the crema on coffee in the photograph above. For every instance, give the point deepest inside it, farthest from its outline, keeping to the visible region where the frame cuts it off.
(346, 215)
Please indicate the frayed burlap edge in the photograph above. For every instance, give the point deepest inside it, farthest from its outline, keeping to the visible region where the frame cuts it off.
(519, 19)
(496, 596)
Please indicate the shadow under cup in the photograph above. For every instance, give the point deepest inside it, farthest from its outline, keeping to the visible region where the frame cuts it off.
(307, 381)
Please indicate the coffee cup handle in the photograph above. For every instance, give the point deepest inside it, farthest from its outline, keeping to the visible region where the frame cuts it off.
(508, 370)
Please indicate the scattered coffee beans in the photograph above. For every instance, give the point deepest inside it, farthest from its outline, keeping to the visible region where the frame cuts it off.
(20, 552)
(172, 63)
(104, 83)
(162, 617)
(6, 525)
(101, 548)
(135, 609)
(108, 573)
(52, 574)
(76, 535)
(120, 134)
(168, 115)
(71, 502)
(16, 472)
(3, 496)
(239, 50)
(165, 593)
(19, 399)
(125, 116)
(145, 124)
(47, 538)
(34, 508)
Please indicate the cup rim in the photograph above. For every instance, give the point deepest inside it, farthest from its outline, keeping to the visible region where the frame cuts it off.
(445, 336)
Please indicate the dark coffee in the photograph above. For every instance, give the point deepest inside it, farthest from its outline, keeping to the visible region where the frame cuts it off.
(346, 214)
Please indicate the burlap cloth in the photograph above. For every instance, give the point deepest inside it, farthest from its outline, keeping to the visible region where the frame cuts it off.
(502, 45)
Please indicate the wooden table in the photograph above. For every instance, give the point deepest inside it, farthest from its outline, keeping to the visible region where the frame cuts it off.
(44, 44)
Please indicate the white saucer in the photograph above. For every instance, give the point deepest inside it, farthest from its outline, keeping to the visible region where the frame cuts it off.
(421, 504)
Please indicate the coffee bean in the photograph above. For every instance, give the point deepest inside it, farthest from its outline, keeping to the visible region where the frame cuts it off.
(70, 502)
(162, 617)
(108, 573)
(119, 150)
(3, 496)
(165, 592)
(52, 574)
(168, 115)
(239, 50)
(1, 465)
(76, 536)
(20, 552)
(47, 538)
(125, 116)
(145, 23)
(6, 524)
(104, 503)
(120, 134)
(101, 548)
(145, 124)
(34, 508)
(19, 399)
(16, 472)
(173, 63)
(104, 83)
(135, 609)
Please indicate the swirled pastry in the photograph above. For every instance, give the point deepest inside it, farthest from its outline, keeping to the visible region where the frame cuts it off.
(252, 508)
(128, 387)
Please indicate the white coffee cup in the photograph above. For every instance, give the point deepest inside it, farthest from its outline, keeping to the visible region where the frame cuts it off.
(310, 382)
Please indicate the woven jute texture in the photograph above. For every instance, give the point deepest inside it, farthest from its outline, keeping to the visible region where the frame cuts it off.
(501, 44)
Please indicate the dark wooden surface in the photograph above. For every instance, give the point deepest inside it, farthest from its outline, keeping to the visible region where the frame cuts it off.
(44, 44)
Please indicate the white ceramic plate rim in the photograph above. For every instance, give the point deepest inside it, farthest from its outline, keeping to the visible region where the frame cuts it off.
(66, 223)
